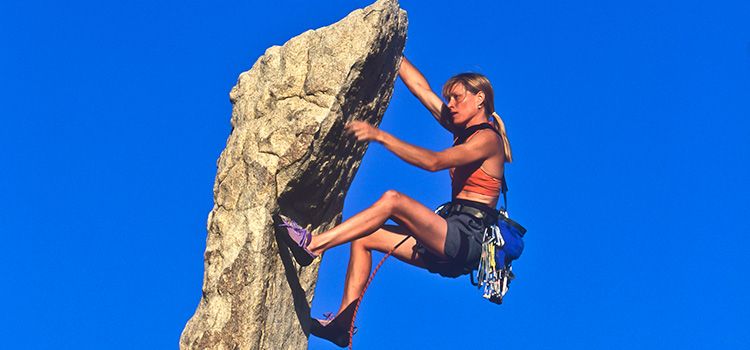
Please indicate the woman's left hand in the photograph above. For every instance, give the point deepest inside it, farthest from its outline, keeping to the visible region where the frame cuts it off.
(363, 131)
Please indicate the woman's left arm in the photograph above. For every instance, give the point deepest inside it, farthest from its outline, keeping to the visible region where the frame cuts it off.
(477, 148)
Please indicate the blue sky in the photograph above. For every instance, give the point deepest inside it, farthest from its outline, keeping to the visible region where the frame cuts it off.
(628, 120)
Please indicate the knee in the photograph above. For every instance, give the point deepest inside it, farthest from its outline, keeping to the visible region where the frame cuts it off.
(391, 197)
(391, 200)
(359, 244)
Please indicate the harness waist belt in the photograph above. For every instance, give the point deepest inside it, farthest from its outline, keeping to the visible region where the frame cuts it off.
(477, 210)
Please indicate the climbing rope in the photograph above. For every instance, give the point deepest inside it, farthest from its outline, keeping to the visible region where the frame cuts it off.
(369, 280)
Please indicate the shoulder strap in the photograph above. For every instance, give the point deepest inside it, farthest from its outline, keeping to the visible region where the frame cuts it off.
(504, 190)
(462, 135)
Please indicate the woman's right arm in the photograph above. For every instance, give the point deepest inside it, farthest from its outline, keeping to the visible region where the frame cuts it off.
(419, 87)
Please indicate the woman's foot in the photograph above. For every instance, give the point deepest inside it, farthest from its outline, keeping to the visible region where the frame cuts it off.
(335, 329)
(297, 238)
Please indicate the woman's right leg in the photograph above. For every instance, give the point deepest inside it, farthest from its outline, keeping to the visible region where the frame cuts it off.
(360, 258)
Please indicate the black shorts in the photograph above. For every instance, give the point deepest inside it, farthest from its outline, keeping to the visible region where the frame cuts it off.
(463, 247)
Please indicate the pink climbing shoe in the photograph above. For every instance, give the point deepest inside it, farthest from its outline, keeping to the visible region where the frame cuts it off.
(297, 238)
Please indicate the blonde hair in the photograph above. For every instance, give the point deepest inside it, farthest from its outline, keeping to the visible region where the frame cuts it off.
(474, 83)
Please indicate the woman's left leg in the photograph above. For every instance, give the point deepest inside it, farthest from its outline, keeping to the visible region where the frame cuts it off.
(360, 258)
(427, 227)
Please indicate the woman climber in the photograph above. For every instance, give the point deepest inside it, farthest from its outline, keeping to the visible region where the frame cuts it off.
(450, 244)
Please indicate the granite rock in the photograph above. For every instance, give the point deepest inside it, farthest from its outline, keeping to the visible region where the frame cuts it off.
(288, 153)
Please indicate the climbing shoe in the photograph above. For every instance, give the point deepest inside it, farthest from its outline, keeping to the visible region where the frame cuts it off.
(297, 238)
(335, 329)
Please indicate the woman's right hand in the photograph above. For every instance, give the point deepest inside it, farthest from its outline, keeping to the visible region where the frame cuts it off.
(363, 131)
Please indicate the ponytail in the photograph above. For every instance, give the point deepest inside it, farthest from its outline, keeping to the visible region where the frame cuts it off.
(498, 122)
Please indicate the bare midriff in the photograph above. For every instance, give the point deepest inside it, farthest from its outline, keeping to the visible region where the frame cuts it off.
(477, 197)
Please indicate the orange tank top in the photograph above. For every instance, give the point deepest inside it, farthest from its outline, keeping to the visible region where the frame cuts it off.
(472, 178)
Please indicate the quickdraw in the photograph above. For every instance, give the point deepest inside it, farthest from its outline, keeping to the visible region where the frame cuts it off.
(495, 272)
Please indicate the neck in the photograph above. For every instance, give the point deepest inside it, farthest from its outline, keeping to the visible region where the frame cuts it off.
(476, 120)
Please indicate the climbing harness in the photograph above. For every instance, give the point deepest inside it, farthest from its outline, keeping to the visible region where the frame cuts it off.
(502, 242)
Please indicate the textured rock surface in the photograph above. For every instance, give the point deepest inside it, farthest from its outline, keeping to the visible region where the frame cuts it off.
(288, 152)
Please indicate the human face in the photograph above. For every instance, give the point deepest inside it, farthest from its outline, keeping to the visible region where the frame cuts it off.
(463, 104)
